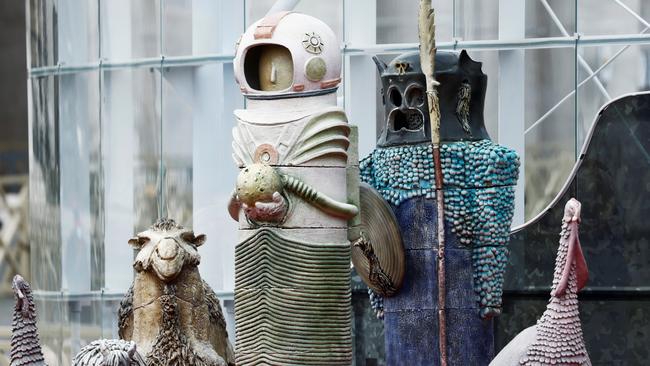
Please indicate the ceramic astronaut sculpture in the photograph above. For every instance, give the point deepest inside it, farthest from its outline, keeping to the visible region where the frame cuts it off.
(292, 263)
(479, 178)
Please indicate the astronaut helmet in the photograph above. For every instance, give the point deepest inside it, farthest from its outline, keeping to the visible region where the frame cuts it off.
(286, 55)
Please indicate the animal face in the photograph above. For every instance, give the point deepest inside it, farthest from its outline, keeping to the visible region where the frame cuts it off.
(572, 210)
(115, 356)
(166, 248)
(22, 291)
(20, 286)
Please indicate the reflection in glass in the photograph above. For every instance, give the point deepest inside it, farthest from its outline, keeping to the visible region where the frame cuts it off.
(550, 145)
(66, 225)
(177, 34)
(556, 20)
(78, 31)
(330, 12)
(615, 77)
(199, 172)
(80, 179)
(132, 152)
(130, 29)
(476, 19)
(44, 208)
(44, 183)
(397, 21)
(177, 146)
(617, 20)
(41, 32)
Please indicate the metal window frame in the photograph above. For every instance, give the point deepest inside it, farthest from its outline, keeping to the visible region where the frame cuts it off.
(350, 49)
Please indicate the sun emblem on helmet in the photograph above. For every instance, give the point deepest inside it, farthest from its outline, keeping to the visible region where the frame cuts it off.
(312, 43)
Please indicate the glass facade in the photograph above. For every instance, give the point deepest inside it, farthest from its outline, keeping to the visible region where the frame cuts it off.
(131, 110)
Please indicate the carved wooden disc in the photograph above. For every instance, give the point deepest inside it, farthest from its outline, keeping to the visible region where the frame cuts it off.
(380, 228)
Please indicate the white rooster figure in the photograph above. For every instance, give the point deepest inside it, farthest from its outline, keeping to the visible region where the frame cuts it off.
(556, 339)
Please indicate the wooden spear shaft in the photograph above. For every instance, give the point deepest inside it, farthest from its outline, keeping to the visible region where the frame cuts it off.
(427, 33)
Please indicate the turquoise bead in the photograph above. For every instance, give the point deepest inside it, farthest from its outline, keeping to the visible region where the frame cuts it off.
(479, 214)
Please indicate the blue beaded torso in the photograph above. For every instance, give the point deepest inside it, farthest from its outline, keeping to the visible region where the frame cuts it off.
(479, 179)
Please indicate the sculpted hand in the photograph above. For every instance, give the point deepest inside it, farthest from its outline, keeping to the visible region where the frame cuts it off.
(273, 211)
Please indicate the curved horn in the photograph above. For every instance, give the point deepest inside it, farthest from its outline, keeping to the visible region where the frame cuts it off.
(320, 200)
(381, 65)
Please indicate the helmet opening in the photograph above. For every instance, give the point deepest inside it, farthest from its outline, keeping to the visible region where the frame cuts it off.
(408, 118)
(268, 67)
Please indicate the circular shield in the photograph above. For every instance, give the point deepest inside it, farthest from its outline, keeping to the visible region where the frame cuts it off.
(378, 252)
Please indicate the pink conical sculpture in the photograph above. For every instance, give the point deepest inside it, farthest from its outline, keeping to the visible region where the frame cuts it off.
(557, 338)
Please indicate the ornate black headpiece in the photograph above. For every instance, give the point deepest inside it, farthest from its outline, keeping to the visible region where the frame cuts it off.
(461, 93)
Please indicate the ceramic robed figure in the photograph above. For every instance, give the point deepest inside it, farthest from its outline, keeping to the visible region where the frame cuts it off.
(25, 344)
(292, 144)
(479, 178)
(557, 338)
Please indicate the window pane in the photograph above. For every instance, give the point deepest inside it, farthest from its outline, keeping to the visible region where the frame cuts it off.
(44, 183)
(66, 211)
(41, 32)
(550, 145)
(131, 137)
(623, 70)
(477, 19)
(591, 19)
(177, 109)
(81, 188)
(78, 31)
(397, 21)
(130, 29)
(330, 12)
(200, 173)
(556, 20)
(177, 27)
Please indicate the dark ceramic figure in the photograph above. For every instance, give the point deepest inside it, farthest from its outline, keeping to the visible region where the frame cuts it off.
(479, 178)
